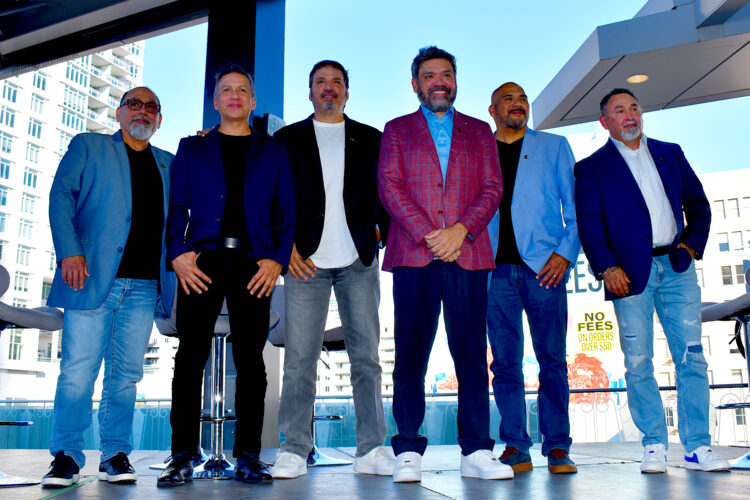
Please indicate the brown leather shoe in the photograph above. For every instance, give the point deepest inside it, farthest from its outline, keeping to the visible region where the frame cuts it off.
(558, 462)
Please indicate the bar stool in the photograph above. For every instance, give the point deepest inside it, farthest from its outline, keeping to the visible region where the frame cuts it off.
(734, 310)
(215, 465)
(43, 318)
(333, 340)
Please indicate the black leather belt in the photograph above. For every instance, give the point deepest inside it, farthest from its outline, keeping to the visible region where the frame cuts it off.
(658, 251)
(231, 243)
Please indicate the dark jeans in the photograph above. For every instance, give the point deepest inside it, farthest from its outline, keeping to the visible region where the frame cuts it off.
(417, 295)
(514, 289)
(230, 272)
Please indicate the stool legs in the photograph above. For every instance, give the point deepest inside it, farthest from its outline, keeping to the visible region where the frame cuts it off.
(217, 466)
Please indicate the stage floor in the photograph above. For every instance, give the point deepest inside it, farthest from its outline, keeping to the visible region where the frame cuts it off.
(606, 470)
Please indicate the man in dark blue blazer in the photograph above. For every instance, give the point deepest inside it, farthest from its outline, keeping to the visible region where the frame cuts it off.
(230, 230)
(643, 219)
(107, 212)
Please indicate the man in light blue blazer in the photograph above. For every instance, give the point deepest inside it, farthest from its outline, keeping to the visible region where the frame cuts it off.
(535, 239)
(107, 210)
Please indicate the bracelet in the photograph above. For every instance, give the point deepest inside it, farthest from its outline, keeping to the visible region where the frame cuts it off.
(612, 268)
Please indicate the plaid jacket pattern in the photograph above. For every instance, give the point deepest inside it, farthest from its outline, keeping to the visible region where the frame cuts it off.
(410, 186)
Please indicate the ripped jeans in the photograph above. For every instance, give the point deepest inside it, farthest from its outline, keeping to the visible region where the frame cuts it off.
(677, 300)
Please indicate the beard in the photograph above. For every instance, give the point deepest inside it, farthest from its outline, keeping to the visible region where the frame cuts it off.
(631, 133)
(434, 105)
(141, 131)
(515, 123)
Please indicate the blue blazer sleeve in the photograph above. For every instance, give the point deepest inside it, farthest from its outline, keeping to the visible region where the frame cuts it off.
(64, 198)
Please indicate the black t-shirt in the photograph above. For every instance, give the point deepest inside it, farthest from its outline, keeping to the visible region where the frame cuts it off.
(507, 249)
(234, 154)
(142, 254)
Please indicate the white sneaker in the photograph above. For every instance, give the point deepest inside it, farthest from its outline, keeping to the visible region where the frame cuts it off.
(654, 459)
(288, 466)
(484, 465)
(379, 460)
(704, 458)
(408, 467)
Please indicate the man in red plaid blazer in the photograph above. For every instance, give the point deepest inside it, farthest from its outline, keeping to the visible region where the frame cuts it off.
(439, 179)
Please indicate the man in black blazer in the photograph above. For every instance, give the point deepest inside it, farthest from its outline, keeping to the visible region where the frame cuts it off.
(340, 222)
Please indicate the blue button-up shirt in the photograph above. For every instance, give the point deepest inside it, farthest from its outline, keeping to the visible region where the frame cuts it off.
(441, 130)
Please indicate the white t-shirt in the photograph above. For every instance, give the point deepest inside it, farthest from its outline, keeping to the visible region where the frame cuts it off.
(641, 165)
(336, 247)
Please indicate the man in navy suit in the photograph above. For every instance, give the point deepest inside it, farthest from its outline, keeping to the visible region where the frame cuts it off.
(107, 210)
(334, 161)
(534, 243)
(230, 230)
(643, 219)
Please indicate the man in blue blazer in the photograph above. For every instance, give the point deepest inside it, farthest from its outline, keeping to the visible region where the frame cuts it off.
(643, 219)
(107, 210)
(230, 230)
(534, 242)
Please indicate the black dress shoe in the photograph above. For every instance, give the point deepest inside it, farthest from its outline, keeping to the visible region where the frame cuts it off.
(250, 469)
(178, 472)
(63, 472)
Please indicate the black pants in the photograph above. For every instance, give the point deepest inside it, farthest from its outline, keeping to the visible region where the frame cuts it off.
(230, 271)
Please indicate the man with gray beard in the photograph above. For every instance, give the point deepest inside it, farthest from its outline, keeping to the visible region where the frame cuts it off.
(107, 210)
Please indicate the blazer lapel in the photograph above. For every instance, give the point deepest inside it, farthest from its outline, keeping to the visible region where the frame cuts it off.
(315, 175)
(622, 178)
(458, 140)
(525, 160)
(423, 136)
(123, 163)
(669, 188)
(212, 159)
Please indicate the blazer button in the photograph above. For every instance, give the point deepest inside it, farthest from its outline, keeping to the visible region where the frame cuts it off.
(218, 219)
(440, 184)
(127, 219)
(440, 212)
(221, 196)
(119, 249)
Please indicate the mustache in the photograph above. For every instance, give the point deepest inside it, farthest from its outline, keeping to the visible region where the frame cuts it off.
(328, 93)
(142, 117)
(437, 88)
(518, 109)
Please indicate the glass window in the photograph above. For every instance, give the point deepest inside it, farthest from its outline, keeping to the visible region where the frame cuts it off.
(37, 104)
(2, 222)
(75, 100)
(4, 168)
(46, 287)
(15, 344)
(7, 116)
(733, 207)
(23, 255)
(10, 92)
(28, 201)
(717, 210)
(735, 240)
(65, 139)
(32, 152)
(76, 75)
(52, 261)
(72, 120)
(737, 374)
(739, 274)
(20, 303)
(723, 241)
(21, 282)
(40, 80)
(26, 229)
(3, 196)
(35, 128)
(6, 142)
(726, 275)
(30, 176)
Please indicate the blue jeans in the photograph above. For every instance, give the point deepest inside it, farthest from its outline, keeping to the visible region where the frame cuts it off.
(357, 289)
(418, 293)
(677, 299)
(514, 289)
(117, 332)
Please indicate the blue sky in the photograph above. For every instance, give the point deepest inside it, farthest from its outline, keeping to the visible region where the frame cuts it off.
(493, 41)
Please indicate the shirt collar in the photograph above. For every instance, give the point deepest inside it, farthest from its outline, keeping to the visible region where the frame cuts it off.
(623, 149)
(433, 118)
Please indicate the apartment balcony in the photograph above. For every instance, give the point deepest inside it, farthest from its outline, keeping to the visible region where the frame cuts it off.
(98, 76)
(98, 97)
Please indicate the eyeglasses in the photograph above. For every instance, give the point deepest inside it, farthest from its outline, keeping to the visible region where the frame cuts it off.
(136, 105)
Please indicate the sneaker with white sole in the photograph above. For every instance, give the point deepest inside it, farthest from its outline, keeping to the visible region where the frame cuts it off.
(654, 459)
(379, 460)
(484, 465)
(288, 466)
(704, 458)
(408, 467)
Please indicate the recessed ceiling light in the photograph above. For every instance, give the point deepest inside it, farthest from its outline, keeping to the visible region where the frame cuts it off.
(637, 78)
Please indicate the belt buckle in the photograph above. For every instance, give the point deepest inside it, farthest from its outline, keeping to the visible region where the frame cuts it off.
(231, 243)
